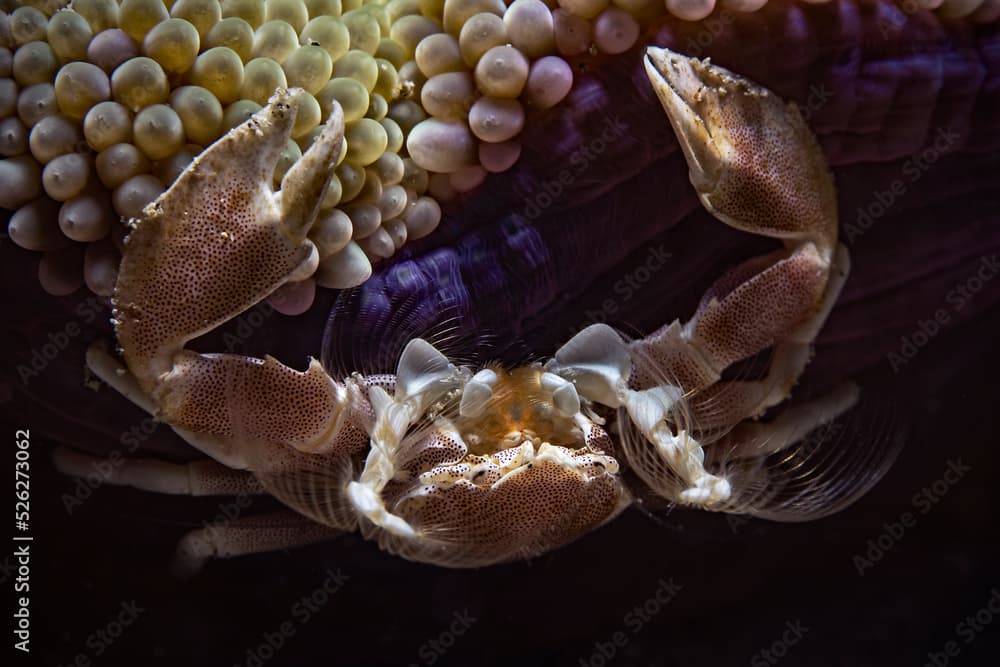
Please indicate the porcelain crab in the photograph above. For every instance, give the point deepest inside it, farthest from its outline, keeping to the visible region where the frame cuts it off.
(467, 467)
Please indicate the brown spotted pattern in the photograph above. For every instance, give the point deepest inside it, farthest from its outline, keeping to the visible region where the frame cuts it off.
(208, 248)
(234, 397)
(520, 478)
(751, 156)
(757, 167)
(504, 506)
(537, 509)
(756, 314)
(745, 312)
(211, 478)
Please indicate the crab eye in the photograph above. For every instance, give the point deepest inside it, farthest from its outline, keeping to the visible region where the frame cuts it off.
(525, 404)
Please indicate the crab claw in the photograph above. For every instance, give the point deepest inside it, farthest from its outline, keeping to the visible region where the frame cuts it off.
(219, 240)
(751, 156)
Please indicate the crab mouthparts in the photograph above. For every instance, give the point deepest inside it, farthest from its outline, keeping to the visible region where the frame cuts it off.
(519, 411)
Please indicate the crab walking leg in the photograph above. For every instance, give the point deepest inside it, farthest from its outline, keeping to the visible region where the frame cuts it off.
(201, 478)
(246, 535)
(220, 239)
(751, 439)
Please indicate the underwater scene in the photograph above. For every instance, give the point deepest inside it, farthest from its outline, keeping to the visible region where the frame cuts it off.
(489, 332)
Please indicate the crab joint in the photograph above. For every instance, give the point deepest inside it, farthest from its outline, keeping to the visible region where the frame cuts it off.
(367, 503)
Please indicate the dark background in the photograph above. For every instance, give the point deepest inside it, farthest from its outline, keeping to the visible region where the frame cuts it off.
(741, 583)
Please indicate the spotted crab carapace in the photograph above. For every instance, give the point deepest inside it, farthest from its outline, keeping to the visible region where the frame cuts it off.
(462, 466)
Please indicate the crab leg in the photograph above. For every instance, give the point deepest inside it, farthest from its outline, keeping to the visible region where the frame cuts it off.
(200, 478)
(219, 240)
(246, 535)
(751, 439)
(216, 243)
(236, 537)
(728, 326)
(756, 167)
(726, 403)
(223, 403)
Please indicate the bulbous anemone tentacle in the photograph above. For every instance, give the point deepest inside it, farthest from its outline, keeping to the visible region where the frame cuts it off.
(871, 97)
